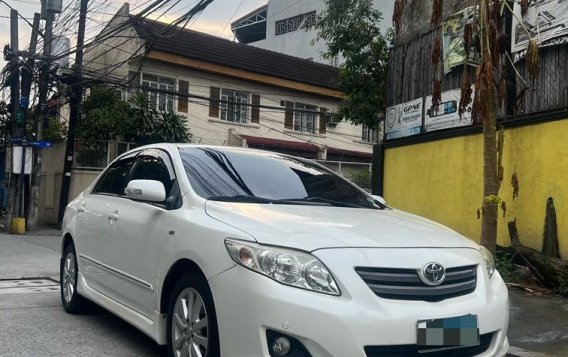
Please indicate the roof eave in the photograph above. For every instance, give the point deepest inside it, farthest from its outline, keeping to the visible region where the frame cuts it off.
(251, 76)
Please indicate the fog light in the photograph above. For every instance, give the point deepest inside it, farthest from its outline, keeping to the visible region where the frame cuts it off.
(281, 346)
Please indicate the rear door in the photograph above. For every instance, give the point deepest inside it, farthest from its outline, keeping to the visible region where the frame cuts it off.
(94, 223)
(139, 232)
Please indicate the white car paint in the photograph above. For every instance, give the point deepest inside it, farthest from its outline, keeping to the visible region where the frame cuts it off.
(126, 249)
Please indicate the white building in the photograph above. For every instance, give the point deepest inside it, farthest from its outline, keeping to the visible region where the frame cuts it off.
(280, 26)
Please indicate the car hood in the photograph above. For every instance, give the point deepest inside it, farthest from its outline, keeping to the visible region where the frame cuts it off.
(316, 227)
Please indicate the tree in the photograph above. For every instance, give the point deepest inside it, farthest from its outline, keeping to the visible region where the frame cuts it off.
(485, 35)
(147, 125)
(143, 122)
(351, 29)
(107, 117)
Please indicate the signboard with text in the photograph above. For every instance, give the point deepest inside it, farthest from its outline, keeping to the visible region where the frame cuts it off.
(404, 119)
(546, 21)
(447, 113)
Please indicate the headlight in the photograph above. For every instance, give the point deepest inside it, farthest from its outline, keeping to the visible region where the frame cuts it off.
(488, 260)
(286, 266)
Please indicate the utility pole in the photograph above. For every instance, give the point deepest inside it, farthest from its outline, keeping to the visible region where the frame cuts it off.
(41, 117)
(27, 74)
(75, 102)
(17, 224)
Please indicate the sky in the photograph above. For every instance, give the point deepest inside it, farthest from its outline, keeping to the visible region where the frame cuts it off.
(215, 19)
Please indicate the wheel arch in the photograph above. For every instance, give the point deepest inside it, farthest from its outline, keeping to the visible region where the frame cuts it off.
(179, 268)
(67, 241)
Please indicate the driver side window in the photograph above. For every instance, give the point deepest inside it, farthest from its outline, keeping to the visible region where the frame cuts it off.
(155, 165)
(113, 180)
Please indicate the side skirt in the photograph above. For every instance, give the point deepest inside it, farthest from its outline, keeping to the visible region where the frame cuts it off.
(155, 329)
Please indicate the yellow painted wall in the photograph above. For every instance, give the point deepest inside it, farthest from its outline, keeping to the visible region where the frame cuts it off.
(442, 180)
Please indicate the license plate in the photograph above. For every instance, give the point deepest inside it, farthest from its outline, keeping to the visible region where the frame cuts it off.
(452, 331)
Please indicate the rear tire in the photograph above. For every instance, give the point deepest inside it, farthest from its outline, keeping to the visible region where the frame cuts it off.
(73, 303)
(192, 322)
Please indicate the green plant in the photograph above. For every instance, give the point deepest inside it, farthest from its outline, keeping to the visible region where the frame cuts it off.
(55, 132)
(361, 178)
(107, 117)
(352, 31)
(505, 266)
(171, 128)
(562, 288)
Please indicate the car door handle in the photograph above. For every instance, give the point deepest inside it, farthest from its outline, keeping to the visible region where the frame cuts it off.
(81, 209)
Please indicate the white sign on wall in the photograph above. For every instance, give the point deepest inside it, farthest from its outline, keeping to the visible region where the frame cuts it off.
(447, 115)
(17, 160)
(545, 20)
(404, 119)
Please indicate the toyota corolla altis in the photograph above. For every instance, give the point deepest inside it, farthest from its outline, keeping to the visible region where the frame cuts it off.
(245, 253)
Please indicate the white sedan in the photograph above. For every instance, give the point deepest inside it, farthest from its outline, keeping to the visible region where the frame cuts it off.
(245, 253)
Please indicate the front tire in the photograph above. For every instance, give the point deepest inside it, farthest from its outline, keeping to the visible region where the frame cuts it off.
(73, 303)
(192, 323)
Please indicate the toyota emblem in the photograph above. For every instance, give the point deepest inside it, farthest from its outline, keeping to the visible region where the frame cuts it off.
(433, 274)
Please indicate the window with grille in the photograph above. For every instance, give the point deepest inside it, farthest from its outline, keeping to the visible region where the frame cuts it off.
(234, 106)
(304, 119)
(157, 86)
(369, 135)
(295, 22)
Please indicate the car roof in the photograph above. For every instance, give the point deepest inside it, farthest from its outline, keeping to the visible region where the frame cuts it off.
(181, 146)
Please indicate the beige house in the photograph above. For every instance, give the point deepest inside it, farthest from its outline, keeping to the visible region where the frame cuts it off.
(230, 93)
(234, 90)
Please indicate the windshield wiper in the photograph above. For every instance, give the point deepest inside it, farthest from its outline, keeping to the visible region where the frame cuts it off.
(241, 198)
(323, 200)
(292, 201)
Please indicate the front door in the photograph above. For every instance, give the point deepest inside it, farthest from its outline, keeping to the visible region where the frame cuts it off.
(138, 234)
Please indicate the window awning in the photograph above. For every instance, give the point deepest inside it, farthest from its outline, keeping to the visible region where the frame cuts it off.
(349, 153)
(280, 144)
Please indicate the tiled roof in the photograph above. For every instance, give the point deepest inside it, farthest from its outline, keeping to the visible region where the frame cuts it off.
(212, 49)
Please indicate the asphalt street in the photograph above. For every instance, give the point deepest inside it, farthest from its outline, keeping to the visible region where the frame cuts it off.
(33, 322)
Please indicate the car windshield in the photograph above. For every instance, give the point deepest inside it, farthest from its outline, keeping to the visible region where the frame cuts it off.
(235, 175)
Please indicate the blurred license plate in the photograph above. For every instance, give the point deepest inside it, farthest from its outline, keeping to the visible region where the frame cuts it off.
(452, 331)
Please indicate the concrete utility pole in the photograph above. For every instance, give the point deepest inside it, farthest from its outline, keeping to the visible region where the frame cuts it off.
(41, 117)
(17, 224)
(27, 73)
(75, 102)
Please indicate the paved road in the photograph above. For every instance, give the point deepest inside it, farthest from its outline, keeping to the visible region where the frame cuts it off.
(33, 322)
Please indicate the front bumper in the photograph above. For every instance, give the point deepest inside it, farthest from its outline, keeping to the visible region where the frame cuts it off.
(248, 304)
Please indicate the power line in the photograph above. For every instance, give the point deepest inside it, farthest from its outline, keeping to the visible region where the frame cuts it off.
(203, 100)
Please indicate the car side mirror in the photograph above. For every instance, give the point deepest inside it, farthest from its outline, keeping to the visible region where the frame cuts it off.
(380, 199)
(145, 191)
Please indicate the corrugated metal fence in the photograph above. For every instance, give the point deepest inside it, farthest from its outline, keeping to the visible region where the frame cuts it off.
(411, 75)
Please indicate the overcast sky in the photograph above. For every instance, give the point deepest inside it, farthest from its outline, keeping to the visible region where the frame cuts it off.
(214, 20)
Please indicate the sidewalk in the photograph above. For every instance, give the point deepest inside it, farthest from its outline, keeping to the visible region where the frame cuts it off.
(29, 256)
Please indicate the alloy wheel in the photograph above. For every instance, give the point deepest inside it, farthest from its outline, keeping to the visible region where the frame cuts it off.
(69, 274)
(190, 325)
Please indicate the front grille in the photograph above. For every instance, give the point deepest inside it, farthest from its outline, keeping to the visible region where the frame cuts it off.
(405, 284)
(426, 351)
